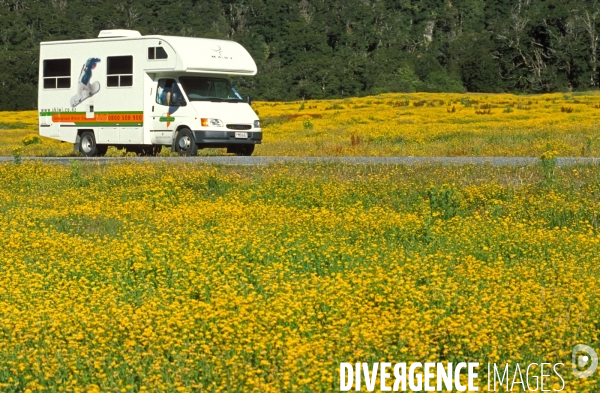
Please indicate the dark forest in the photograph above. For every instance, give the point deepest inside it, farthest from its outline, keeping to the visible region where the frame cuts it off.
(336, 48)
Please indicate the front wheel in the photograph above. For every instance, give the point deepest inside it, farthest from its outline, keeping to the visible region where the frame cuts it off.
(185, 144)
(88, 146)
(244, 150)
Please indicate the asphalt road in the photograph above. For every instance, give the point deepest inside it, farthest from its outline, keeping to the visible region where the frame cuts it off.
(265, 160)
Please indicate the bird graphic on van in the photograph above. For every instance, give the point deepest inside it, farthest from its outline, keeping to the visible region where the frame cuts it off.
(85, 88)
(220, 55)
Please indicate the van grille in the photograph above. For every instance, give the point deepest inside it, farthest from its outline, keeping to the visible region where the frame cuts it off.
(239, 126)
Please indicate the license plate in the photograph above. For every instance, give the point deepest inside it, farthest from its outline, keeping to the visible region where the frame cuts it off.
(241, 135)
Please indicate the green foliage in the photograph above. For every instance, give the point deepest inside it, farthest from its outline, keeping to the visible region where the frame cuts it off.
(548, 164)
(311, 49)
(478, 70)
(76, 177)
(216, 186)
(13, 126)
(427, 64)
(17, 155)
(444, 201)
(404, 80)
(31, 140)
(439, 81)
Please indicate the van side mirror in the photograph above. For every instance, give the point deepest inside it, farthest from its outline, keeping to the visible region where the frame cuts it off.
(177, 100)
(249, 100)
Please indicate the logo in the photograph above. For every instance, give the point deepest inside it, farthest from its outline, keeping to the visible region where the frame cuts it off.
(218, 50)
(219, 54)
(431, 377)
(166, 119)
(583, 360)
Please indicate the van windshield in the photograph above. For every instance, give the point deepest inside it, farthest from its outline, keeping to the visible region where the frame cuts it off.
(209, 89)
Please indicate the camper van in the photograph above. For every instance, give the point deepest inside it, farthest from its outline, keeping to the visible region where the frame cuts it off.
(141, 93)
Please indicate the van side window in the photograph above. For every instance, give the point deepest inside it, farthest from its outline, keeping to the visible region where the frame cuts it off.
(157, 53)
(57, 74)
(169, 93)
(119, 71)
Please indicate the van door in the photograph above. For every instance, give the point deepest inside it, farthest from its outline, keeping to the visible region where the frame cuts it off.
(168, 101)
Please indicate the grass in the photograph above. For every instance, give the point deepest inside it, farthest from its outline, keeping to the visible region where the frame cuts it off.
(185, 277)
(431, 127)
(151, 278)
(516, 125)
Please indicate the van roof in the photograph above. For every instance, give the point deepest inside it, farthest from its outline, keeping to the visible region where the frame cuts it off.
(202, 55)
(208, 55)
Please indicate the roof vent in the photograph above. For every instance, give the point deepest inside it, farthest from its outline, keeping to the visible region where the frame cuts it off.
(118, 33)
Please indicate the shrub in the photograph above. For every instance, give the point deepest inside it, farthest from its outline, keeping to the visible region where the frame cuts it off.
(548, 163)
(31, 140)
(441, 82)
(17, 155)
(445, 201)
(403, 80)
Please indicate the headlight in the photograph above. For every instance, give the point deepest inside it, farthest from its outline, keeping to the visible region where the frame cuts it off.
(211, 122)
(256, 123)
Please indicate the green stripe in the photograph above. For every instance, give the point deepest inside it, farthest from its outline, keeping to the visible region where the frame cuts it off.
(94, 124)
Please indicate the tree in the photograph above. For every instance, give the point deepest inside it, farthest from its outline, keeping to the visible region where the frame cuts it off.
(334, 48)
(472, 54)
(589, 16)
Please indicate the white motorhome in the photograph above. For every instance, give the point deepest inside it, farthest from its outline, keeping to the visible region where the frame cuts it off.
(144, 92)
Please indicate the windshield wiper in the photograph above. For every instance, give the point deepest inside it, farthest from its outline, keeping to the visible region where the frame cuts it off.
(217, 99)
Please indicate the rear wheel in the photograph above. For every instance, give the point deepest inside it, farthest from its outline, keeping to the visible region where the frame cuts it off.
(244, 150)
(185, 144)
(87, 145)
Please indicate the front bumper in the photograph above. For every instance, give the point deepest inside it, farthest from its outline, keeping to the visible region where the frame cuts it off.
(226, 138)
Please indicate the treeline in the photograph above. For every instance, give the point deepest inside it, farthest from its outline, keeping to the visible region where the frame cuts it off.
(335, 48)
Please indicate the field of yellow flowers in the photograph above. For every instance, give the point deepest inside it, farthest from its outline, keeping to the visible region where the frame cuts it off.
(186, 278)
(429, 124)
(419, 124)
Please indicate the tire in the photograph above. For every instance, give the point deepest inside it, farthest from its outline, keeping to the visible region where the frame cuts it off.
(88, 147)
(244, 150)
(185, 144)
